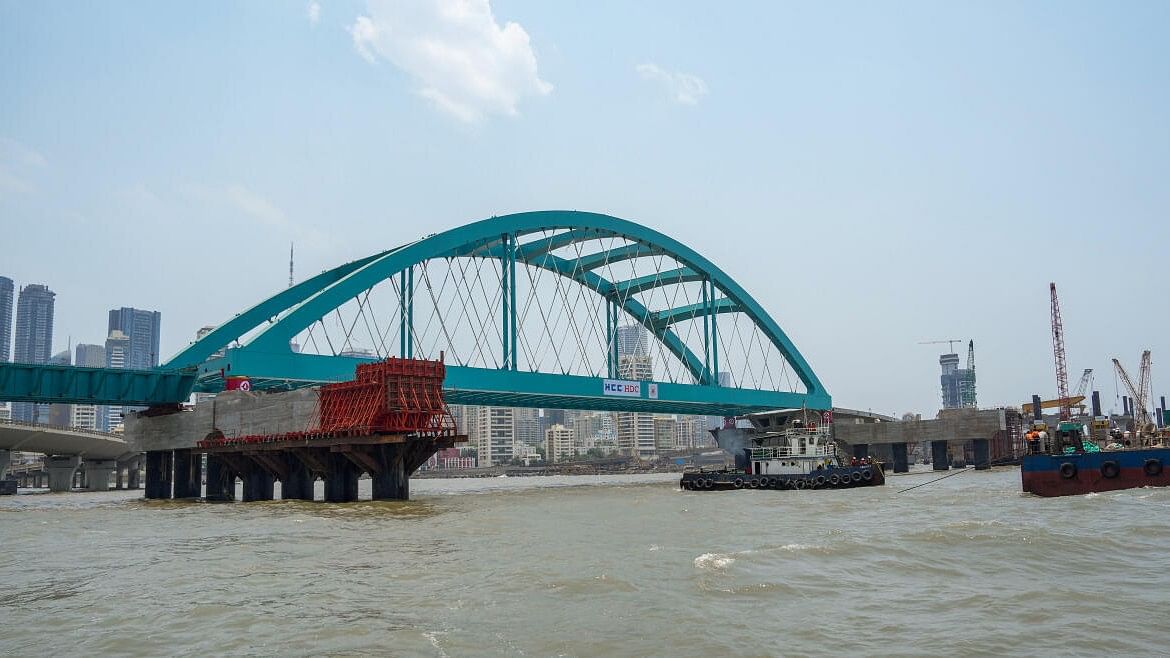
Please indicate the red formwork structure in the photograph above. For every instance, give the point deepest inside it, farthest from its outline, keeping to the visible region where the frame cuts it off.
(392, 396)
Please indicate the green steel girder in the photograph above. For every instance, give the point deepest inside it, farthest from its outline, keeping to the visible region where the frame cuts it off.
(650, 281)
(670, 316)
(489, 386)
(292, 312)
(52, 383)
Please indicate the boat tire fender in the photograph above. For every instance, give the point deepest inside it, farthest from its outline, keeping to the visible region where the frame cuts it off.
(1110, 469)
(738, 484)
(821, 480)
(866, 475)
(856, 476)
(1068, 470)
(834, 479)
(1152, 467)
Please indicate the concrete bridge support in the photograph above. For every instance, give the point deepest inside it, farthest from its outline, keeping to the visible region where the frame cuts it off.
(901, 458)
(982, 454)
(341, 481)
(938, 455)
(188, 474)
(298, 481)
(159, 474)
(5, 461)
(258, 485)
(98, 472)
(221, 482)
(861, 450)
(392, 482)
(61, 470)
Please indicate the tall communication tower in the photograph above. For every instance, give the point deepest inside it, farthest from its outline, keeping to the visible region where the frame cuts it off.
(290, 265)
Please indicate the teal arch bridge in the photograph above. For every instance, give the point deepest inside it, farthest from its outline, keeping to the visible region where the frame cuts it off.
(554, 309)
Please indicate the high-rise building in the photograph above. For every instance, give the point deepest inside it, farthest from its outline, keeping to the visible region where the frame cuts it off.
(142, 328)
(495, 437)
(665, 430)
(528, 428)
(635, 430)
(118, 349)
(6, 290)
(632, 340)
(34, 341)
(958, 384)
(559, 444)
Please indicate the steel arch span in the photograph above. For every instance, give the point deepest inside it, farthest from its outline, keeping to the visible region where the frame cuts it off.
(536, 309)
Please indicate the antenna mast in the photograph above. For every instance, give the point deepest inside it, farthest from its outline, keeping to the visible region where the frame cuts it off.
(290, 265)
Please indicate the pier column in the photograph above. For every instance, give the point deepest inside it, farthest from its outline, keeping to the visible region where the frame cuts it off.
(221, 483)
(341, 482)
(938, 455)
(98, 472)
(258, 485)
(393, 483)
(134, 473)
(298, 484)
(861, 450)
(61, 470)
(901, 459)
(159, 465)
(5, 461)
(982, 454)
(188, 474)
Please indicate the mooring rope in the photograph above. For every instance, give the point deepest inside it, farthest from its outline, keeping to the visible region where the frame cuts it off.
(949, 475)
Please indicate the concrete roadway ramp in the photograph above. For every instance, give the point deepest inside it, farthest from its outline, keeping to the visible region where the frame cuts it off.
(65, 448)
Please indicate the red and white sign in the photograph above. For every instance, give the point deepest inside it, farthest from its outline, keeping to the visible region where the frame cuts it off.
(238, 384)
(827, 417)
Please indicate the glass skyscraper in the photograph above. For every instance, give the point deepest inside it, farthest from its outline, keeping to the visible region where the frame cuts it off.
(142, 328)
(34, 338)
(5, 319)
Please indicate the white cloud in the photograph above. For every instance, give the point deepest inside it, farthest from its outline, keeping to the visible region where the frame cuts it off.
(256, 206)
(683, 87)
(18, 164)
(463, 60)
(314, 12)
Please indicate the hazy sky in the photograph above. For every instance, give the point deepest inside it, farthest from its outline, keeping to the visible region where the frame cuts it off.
(875, 174)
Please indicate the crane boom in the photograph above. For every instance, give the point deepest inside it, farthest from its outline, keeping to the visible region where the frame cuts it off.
(1141, 416)
(1086, 381)
(1061, 361)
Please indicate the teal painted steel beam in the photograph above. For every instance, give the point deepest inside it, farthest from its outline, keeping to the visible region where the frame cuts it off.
(716, 305)
(705, 308)
(650, 281)
(45, 383)
(275, 337)
(615, 255)
(498, 387)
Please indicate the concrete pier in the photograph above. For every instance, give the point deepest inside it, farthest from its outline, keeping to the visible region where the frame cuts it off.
(392, 482)
(938, 455)
(188, 474)
(159, 474)
(901, 458)
(298, 480)
(98, 473)
(258, 485)
(341, 481)
(221, 482)
(982, 454)
(861, 450)
(5, 461)
(61, 470)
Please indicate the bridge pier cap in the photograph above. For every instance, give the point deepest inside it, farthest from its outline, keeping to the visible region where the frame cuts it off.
(549, 248)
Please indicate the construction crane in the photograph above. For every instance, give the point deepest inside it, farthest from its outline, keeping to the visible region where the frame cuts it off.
(1086, 382)
(967, 383)
(949, 341)
(1141, 415)
(1061, 360)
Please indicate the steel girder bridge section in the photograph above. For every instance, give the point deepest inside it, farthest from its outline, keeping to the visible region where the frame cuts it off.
(49, 383)
(532, 310)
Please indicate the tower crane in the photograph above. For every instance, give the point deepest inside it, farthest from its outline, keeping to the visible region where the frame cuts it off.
(1141, 415)
(1086, 382)
(1061, 360)
(949, 341)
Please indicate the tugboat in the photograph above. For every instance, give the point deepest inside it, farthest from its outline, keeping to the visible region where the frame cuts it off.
(1066, 464)
(802, 456)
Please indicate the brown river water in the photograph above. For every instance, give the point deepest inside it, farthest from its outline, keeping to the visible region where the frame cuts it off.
(593, 566)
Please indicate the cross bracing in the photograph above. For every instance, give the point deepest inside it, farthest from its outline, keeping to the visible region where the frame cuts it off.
(525, 310)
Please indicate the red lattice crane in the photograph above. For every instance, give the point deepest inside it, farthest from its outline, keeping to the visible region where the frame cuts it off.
(1061, 361)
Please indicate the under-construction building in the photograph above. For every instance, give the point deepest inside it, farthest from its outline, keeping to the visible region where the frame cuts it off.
(958, 384)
